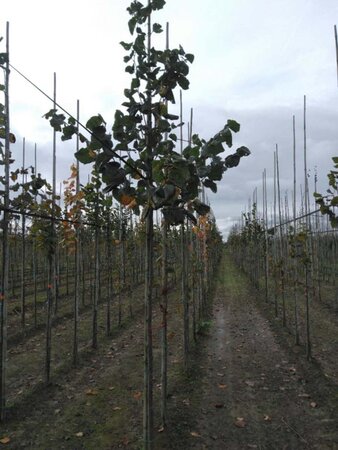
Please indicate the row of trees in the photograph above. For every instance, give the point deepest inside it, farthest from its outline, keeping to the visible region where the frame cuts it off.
(293, 263)
(139, 166)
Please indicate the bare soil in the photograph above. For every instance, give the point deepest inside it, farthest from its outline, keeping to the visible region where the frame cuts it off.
(248, 386)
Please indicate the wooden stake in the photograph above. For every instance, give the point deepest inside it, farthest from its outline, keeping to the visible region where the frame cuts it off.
(336, 42)
(5, 248)
(23, 243)
(295, 269)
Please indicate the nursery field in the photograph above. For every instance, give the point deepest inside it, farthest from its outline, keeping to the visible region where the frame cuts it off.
(125, 320)
(248, 385)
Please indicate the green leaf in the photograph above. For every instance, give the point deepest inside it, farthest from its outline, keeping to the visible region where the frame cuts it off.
(233, 125)
(242, 151)
(157, 4)
(170, 116)
(226, 136)
(334, 201)
(130, 69)
(126, 46)
(85, 156)
(132, 24)
(232, 161)
(201, 208)
(216, 171)
(183, 82)
(190, 57)
(57, 121)
(157, 28)
(191, 152)
(3, 58)
(135, 83)
(95, 121)
(68, 132)
(334, 222)
(210, 184)
(176, 215)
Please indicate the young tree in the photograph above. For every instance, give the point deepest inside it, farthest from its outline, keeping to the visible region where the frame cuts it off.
(139, 163)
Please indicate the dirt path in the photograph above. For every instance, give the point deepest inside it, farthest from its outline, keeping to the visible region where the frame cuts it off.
(253, 393)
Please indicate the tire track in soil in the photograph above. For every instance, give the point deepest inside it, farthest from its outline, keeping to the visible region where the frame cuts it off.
(253, 393)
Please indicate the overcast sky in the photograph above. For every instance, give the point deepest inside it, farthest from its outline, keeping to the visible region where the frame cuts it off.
(255, 60)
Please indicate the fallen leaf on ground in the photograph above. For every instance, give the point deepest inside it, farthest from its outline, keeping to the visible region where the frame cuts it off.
(137, 395)
(267, 418)
(219, 405)
(186, 401)
(193, 433)
(125, 441)
(5, 440)
(222, 386)
(250, 383)
(240, 422)
(117, 408)
(220, 374)
(304, 395)
(313, 405)
(92, 392)
(79, 434)
(161, 429)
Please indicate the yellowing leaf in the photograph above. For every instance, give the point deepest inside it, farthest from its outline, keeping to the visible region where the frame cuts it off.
(132, 204)
(79, 434)
(5, 440)
(222, 386)
(126, 199)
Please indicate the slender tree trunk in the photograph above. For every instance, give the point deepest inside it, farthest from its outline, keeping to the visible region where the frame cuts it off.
(49, 319)
(77, 254)
(35, 268)
(164, 340)
(148, 336)
(281, 243)
(97, 278)
(148, 413)
(110, 281)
